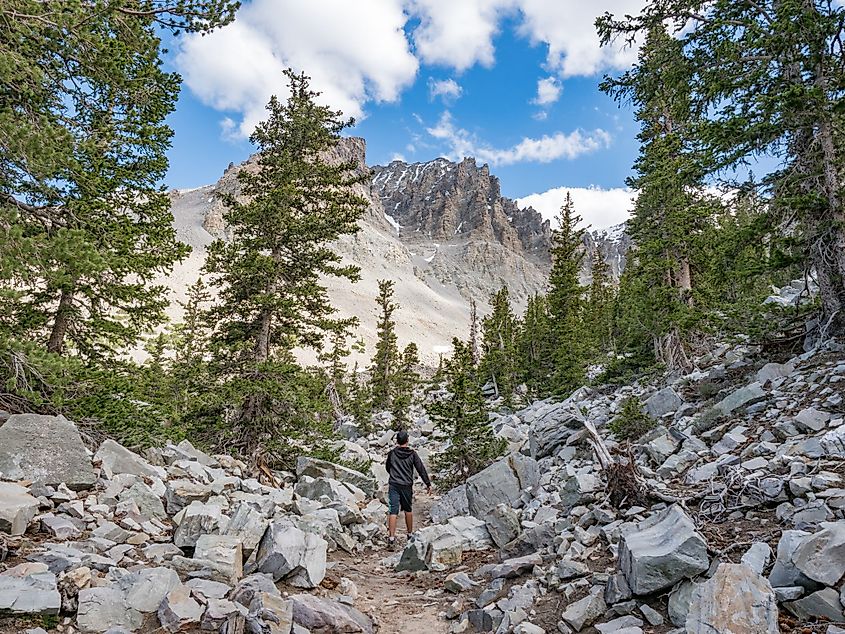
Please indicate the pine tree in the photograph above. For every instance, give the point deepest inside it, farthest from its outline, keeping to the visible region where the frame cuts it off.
(360, 401)
(334, 359)
(463, 419)
(598, 312)
(190, 343)
(565, 304)
(386, 358)
(473, 332)
(85, 224)
(499, 329)
(534, 346)
(406, 380)
(765, 78)
(672, 207)
(271, 295)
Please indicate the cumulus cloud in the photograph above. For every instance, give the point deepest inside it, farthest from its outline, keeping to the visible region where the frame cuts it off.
(457, 33)
(548, 91)
(567, 28)
(600, 208)
(460, 34)
(447, 89)
(545, 149)
(354, 53)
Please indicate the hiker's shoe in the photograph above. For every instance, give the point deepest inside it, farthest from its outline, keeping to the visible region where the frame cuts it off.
(391, 543)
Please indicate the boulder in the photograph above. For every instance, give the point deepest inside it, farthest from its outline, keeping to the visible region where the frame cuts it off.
(17, 508)
(115, 458)
(197, 519)
(502, 524)
(449, 505)
(330, 490)
(661, 551)
(503, 482)
(551, 432)
(274, 612)
(250, 586)
(784, 573)
(662, 402)
(736, 600)
(180, 493)
(29, 589)
(823, 604)
(224, 553)
(585, 611)
(287, 552)
(812, 420)
(44, 449)
(248, 525)
(821, 556)
(149, 504)
(322, 616)
(145, 589)
(315, 468)
(516, 567)
(101, 609)
(178, 611)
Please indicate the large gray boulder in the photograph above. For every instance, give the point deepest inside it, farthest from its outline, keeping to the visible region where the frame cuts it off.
(145, 589)
(224, 553)
(315, 468)
(736, 600)
(662, 402)
(549, 433)
(821, 556)
(287, 552)
(503, 482)
(44, 449)
(323, 616)
(451, 504)
(29, 589)
(661, 551)
(116, 459)
(101, 609)
(17, 508)
(784, 573)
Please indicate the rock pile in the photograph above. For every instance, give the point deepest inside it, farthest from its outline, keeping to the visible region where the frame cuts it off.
(176, 539)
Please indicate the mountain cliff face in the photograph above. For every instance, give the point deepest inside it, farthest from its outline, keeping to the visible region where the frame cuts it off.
(440, 230)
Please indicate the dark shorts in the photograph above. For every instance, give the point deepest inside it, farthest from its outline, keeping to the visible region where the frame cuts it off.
(400, 497)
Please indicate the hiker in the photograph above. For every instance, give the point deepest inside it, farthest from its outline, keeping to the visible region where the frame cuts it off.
(401, 462)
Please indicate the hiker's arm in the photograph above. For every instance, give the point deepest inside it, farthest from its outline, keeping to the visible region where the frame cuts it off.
(387, 464)
(420, 467)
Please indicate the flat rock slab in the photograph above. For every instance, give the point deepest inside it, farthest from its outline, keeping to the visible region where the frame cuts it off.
(44, 449)
(321, 616)
(661, 551)
(821, 556)
(736, 600)
(101, 609)
(29, 589)
(116, 458)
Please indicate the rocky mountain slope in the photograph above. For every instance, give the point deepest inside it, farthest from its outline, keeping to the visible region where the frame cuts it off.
(441, 230)
(738, 526)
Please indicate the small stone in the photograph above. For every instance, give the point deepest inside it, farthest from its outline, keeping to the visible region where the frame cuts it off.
(651, 615)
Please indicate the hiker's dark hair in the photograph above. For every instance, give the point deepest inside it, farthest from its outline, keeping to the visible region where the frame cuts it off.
(401, 437)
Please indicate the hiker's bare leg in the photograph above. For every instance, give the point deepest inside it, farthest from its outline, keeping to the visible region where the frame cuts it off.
(391, 525)
(409, 522)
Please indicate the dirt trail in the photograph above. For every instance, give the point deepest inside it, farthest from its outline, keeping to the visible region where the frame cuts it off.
(396, 601)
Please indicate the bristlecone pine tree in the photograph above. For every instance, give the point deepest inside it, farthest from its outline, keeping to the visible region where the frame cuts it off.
(598, 312)
(405, 381)
(535, 347)
(672, 206)
(498, 362)
(386, 359)
(565, 300)
(463, 420)
(271, 295)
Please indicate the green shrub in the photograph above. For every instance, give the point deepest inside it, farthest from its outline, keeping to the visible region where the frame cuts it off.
(632, 422)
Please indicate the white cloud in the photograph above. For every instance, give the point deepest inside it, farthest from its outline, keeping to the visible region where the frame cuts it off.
(354, 53)
(460, 33)
(548, 91)
(457, 33)
(543, 150)
(567, 27)
(447, 89)
(600, 208)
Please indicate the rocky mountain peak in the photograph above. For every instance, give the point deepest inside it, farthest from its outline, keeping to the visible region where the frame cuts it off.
(445, 201)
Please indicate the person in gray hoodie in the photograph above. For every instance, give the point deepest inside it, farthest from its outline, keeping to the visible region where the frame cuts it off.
(402, 461)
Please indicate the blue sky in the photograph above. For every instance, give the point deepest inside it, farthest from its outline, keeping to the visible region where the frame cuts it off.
(511, 82)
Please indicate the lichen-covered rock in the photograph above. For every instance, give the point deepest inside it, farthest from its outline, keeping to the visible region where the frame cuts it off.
(44, 449)
(736, 600)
